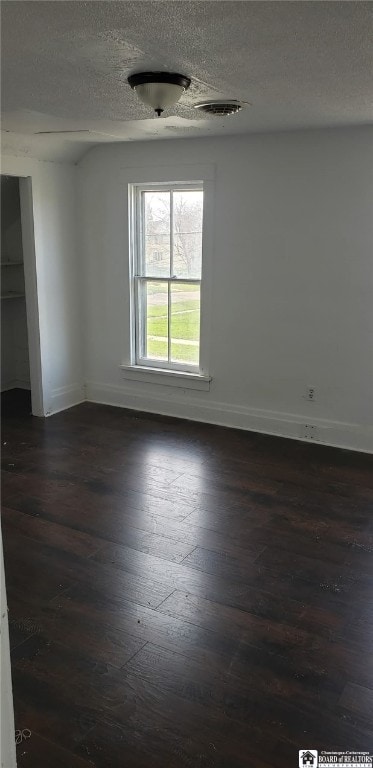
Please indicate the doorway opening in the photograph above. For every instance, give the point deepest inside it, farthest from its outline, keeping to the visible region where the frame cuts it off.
(20, 350)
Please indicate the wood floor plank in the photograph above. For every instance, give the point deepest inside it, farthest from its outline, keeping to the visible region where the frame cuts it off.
(46, 753)
(143, 623)
(83, 543)
(226, 580)
(296, 639)
(358, 700)
(264, 613)
(229, 695)
(52, 621)
(46, 532)
(179, 576)
(44, 708)
(146, 725)
(43, 491)
(58, 571)
(327, 477)
(221, 563)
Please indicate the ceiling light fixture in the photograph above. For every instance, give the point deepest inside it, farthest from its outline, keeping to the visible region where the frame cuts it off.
(159, 89)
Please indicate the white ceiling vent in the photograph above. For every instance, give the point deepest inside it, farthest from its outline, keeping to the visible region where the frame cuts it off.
(219, 108)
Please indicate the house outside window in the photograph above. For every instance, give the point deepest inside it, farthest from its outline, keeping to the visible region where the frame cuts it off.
(166, 275)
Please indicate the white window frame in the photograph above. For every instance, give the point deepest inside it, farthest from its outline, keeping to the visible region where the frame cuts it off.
(138, 280)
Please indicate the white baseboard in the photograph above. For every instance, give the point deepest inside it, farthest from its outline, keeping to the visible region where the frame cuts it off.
(16, 384)
(355, 437)
(23, 384)
(65, 397)
(7, 385)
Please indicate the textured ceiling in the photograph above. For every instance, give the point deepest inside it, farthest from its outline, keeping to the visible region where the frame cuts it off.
(65, 67)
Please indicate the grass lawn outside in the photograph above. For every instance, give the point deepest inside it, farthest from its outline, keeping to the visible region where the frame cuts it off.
(154, 287)
(185, 326)
(185, 353)
(184, 320)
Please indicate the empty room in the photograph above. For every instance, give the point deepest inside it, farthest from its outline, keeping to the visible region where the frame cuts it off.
(187, 384)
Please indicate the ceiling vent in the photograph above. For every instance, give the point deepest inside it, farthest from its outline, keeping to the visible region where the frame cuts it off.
(219, 108)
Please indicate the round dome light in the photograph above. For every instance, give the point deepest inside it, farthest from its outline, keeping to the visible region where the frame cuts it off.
(159, 90)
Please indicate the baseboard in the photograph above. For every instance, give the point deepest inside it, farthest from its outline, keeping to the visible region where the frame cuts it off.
(16, 384)
(355, 437)
(23, 384)
(7, 385)
(65, 397)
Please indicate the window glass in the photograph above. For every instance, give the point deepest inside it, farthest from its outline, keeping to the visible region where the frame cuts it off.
(156, 320)
(185, 322)
(187, 233)
(156, 211)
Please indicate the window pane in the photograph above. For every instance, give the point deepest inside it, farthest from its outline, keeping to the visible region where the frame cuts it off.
(185, 322)
(157, 233)
(188, 212)
(156, 320)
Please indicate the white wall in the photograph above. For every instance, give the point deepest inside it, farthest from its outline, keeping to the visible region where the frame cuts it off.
(7, 736)
(292, 281)
(57, 276)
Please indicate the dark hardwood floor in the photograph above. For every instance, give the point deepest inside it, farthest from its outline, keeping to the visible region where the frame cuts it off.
(182, 595)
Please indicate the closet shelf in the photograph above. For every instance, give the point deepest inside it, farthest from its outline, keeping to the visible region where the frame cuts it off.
(12, 295)
(11, 263)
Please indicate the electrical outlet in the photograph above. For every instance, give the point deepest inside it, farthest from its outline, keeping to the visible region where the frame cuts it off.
(310, 432)
(311, 393)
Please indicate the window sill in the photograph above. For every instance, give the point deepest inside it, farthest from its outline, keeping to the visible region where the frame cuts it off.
(165, 377)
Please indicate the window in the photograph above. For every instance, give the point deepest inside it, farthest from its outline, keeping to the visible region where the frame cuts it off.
(166, 275)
